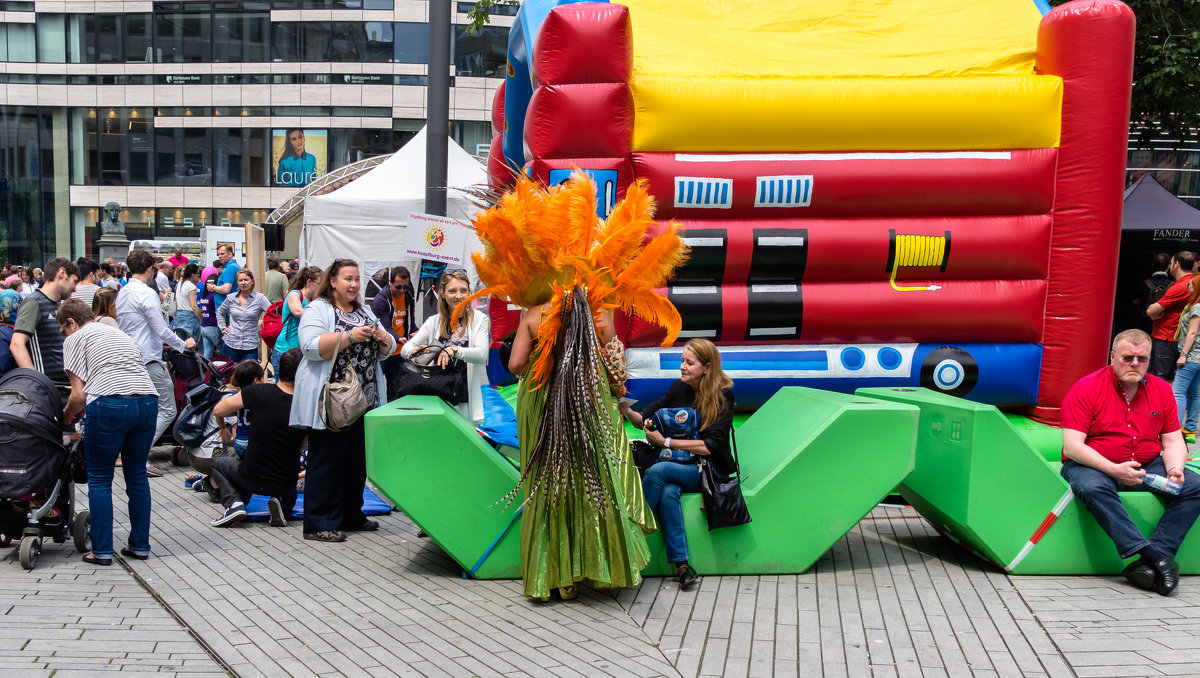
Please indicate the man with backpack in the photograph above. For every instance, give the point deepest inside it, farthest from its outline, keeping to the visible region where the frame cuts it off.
(1151, 289)
(1165, 313)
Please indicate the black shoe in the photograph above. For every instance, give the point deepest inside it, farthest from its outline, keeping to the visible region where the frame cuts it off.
(1166, 576)
(367, 525)
(1140, 575)
(687, 576)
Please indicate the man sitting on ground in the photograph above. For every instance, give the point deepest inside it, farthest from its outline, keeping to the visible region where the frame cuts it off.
(272, 459)
(1119, 424)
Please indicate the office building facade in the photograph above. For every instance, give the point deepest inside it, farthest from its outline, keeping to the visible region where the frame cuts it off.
(209, 112)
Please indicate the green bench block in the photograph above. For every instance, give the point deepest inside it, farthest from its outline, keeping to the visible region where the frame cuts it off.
(429, 461)
(989, 481)
(813, 463)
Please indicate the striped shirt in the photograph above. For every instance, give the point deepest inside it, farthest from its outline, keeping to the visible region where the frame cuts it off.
(243, 320)
(107, 361)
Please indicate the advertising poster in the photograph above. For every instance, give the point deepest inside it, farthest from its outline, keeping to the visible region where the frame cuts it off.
(298, 156)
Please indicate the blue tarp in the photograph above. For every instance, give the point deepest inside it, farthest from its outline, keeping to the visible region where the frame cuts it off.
(373, 505)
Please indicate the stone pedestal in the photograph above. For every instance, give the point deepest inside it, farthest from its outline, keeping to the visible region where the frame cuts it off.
(115, 246)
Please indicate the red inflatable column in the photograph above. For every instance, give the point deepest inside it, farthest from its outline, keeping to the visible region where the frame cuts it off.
(1089, 43)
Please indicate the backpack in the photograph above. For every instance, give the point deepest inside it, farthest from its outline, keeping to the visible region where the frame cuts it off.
(32, 453)
(272, 323)
(682, 423)
(1155, 290)
(195, 423)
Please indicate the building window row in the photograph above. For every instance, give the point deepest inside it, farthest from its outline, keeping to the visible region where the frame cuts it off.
(123, 147)
(241, 37)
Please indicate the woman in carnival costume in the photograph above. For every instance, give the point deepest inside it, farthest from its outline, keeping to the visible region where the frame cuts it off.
(546, 251)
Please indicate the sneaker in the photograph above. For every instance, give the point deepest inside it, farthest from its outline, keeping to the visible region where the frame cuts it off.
(191, 480)
(325, 535)
(154, 472)
(275, 508)
(200, 485)
(233, 515)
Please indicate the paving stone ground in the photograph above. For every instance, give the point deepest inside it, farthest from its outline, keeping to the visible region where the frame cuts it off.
(890, 599)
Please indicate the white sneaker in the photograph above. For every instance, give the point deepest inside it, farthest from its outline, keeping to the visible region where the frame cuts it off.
(233, 515)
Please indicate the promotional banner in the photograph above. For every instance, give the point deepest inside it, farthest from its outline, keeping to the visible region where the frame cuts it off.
(299, 155)
(438, 238)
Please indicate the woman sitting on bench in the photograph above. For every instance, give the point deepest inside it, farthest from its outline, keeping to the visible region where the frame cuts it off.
(707, 390)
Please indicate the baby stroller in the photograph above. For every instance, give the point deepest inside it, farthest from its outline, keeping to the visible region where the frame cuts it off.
(190, 370)
(37, 471)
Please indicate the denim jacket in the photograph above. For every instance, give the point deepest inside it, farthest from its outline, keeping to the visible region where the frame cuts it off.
(313, 371)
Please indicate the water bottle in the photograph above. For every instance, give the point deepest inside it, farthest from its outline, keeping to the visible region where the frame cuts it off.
(1160, 483)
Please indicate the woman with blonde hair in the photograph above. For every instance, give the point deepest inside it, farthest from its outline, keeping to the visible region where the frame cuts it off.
(1186, 384)
(466, 338)
(704, 387)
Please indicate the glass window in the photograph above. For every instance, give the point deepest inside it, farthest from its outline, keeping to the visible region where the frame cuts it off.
(317, 38)
(85, 166)
(22, 42)
(380, 48)
(348, 146)
(241, 37)
(183, 156)
(52, 38)
(348, 41)
(139, 38)
(171, 223)
(484, 54)
(108, 38)
(81, 39)
(125, 146)
(241, 157)
(285, 46)
(412, 43)
(183, 38)
(378, 4)
(475, 136)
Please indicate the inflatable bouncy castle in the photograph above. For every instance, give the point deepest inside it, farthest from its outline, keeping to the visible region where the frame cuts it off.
(878, 194)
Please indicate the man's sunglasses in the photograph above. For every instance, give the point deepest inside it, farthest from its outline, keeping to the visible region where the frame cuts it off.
(1139, 359)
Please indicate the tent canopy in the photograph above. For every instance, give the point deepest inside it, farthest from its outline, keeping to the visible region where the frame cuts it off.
(365, 219)
(1150, 207)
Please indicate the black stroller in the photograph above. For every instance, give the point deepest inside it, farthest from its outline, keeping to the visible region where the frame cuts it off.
(37, 471)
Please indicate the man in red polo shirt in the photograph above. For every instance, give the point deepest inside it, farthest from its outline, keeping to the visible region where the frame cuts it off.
(1165, 313)
(1118, 425)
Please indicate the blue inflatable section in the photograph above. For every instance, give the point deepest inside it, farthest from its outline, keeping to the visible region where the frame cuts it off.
(256, 508)
(499, 419)
(996, 374)
(518, 82)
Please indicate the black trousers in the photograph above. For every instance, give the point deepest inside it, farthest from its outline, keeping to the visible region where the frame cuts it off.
(234, 486)
(391, 372)
(333, 486)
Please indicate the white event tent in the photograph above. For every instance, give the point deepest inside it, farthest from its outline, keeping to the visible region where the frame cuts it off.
(365, 219)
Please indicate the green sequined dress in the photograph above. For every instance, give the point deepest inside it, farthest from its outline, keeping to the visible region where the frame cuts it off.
(574, 541)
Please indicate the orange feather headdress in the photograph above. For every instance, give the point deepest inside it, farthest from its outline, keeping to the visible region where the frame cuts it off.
(540, 243)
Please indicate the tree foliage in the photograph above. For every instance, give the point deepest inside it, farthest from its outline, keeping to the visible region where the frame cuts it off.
(478, 14)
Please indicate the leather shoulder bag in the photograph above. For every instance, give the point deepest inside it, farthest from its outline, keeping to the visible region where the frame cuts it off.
(341, 402)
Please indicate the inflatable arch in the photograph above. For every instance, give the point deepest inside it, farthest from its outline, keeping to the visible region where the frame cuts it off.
(923, 193)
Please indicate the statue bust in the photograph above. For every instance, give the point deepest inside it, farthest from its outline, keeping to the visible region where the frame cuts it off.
(112, 225)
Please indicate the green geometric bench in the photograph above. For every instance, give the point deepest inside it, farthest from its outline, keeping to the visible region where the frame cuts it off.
(991, 482)
(813, 462)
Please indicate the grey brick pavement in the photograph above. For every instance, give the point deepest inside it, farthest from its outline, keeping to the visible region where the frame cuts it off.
(890, 599)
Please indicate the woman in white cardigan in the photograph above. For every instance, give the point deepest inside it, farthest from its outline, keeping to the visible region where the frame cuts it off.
(470, 344)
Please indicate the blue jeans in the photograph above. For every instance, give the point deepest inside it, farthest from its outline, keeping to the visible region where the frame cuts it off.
(275, 356)
(186, 320)
(1187, 394)
(239, 355)
(662, 485)
(1100, 493)
(119, 426)
(210, 340)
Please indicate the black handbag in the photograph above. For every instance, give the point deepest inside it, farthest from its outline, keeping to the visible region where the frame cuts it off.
(724, 505)
(448, 383)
